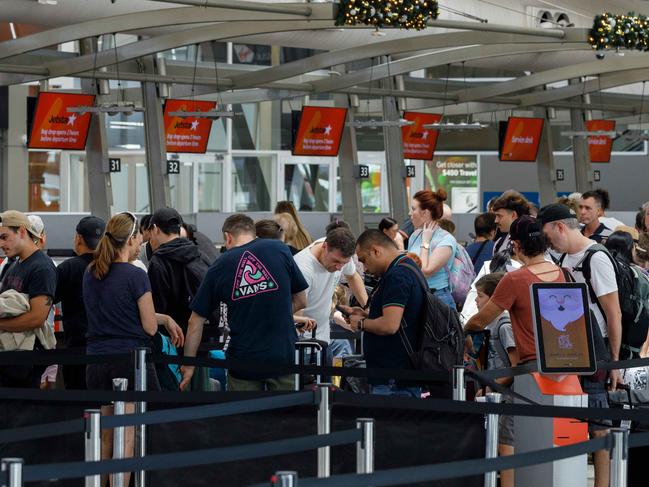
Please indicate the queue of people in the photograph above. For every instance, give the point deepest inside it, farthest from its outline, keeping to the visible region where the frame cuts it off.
(157, 283)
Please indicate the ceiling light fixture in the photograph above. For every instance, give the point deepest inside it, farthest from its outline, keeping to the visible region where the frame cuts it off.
(458, 127)
(126, 109)
(375, 124)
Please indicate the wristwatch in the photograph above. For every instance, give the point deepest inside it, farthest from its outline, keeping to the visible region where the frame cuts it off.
(425, 245)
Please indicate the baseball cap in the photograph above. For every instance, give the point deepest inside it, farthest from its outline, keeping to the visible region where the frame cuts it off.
(167, 219)
(91, 228)
(554, 212)
(36, 226)
(13, 218)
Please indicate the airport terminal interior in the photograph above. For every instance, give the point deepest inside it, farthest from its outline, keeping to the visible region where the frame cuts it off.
(348, 167)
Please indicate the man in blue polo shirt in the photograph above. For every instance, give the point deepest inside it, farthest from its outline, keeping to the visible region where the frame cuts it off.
(392, 323)
(262, 287)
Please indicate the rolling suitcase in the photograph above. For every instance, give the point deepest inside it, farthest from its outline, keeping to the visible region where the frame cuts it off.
(310, 351)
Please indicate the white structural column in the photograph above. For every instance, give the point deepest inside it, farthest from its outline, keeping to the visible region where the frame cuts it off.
(545, 161)
(394, 155)
(350, 188)
(156, 151)
(580, 146)
(100, 192)
(14, 158)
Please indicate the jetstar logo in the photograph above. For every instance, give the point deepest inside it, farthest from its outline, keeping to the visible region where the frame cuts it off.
(58, 119)
(321, 130)
(183, 125)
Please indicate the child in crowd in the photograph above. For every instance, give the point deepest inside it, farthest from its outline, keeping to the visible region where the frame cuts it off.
(501, 354)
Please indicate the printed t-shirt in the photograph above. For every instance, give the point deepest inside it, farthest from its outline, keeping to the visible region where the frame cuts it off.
(256, 281)
(114, 324)
(321, 288)
(441, 238)
(400, 287)
(34, 276)
(602, 279)
(513, 294)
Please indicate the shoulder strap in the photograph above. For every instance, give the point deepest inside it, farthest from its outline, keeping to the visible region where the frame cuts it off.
(475, 258)
(418, 275)
(500, 348)
(584, 267)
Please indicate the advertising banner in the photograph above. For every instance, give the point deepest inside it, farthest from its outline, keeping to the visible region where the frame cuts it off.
(458, 175)
(418, 142)
(56, 128)
(320, 131)
(522, 139)
(599, 148)
(188, 134)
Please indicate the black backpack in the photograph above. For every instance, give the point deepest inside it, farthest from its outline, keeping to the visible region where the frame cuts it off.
(440, 336)
(633, 294)
(194, 272)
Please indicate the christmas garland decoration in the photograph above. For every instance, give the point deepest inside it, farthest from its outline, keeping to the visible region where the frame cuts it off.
(407, 14)
(620, 31)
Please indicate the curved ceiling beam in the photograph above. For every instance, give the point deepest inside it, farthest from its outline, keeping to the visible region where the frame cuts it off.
(146, 47)
(605, 81)
(409, 44)
(302, 10)
(146, 20)
(592, 68)
(439, 58)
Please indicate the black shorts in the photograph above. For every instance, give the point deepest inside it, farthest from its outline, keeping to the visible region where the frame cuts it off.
(100, 376)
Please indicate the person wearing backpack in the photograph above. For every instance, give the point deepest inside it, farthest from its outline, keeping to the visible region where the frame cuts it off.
(633, 289)
(501, 353)
(590, 263)
(172, 255)
(435, 246)
(391, 326)
(482, 247)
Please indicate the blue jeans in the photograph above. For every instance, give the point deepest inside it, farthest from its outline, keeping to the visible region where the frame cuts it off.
(445, 296)
(391, 389)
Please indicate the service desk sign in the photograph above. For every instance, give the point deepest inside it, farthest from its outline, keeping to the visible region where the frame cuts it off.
(599, 147)
(320, 131)
(187, 134)
(56, 128)
(418, 142)
(522, 139)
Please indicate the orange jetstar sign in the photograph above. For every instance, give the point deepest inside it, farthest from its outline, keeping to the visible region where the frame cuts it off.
(56, 128)
(320, 131)
(599, 147)
(522, 139)
(189, 134)
(418, 142)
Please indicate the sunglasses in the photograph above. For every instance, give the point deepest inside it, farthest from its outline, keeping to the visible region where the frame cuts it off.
(134, 230)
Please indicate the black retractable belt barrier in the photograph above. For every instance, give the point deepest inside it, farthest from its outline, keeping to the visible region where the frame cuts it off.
(463, 468)
(211, 410)
(33, 473)
(63, 357)
(468, 407)
(41, 431)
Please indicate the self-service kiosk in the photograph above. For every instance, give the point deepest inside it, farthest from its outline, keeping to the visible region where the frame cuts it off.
(564, 349)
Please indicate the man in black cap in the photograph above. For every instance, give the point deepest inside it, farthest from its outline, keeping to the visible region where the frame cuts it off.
(176, 267)
(69, 276)
(563, 231)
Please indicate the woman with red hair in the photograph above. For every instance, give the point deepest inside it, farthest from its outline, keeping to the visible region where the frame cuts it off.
(434, 245)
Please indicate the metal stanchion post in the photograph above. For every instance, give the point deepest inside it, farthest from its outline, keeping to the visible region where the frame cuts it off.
(491, 450)
(284, 479)
(459, 387)
(298, 353)
(119, 432)
(92, 435)
(619, 457)
(14, 469)
(324, 428)
(140, 407)
(365, 447)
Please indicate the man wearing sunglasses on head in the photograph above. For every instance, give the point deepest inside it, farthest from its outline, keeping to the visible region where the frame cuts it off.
(33, 274)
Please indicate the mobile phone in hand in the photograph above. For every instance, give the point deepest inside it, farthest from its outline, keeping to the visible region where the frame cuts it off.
(343, 311)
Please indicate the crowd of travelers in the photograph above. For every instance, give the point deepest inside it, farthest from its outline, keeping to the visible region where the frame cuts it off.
(162, 284)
